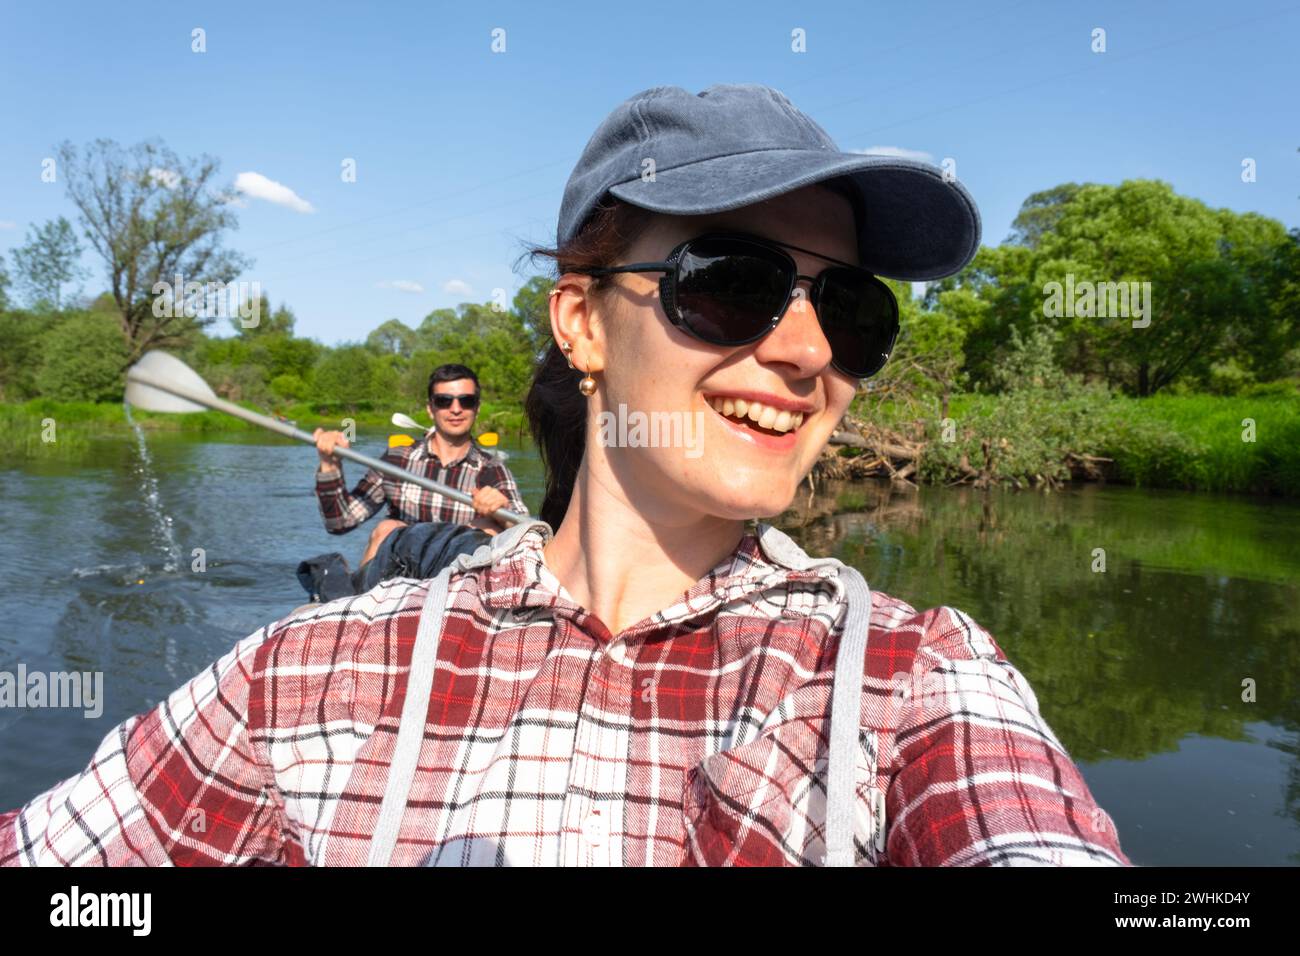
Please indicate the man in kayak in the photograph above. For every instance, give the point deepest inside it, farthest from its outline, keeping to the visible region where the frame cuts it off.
(448, 455)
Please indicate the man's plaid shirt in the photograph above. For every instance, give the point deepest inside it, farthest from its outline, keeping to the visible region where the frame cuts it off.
(695, 737)
(343, 510)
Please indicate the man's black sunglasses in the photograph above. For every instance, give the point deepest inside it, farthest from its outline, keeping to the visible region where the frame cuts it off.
(733, 289)
(468, 402)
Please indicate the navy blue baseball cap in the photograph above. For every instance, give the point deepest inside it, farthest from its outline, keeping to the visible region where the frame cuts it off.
(736, 144)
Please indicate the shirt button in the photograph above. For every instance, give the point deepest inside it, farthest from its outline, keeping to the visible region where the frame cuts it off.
(594, 828)
(617, 651)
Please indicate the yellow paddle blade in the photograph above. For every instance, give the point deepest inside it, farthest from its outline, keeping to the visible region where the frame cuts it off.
(399, 441)
(489, 439)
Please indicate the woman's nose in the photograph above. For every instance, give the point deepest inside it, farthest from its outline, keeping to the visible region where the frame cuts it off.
(798, 338)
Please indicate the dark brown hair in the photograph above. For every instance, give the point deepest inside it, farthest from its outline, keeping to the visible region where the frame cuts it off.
(451, 372)
(556, 410)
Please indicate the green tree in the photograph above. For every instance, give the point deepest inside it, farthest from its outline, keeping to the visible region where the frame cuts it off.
(49, 260)
(21, 353)
(493, 343)
(392, 337)
(83, 360)
(1220, 305)
(286, 355)
(1195, 259)
(532, 307)
(1266, 264)
(991, 298)
(152, 217)
(1040, 213)
(349, 374)
(289, 388)
(925, 366)
(281, 321)
(227, 365)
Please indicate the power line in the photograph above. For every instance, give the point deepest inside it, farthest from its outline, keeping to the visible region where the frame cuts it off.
(1110, 59)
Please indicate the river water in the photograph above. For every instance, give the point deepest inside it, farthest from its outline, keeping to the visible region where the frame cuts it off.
(1158, 629)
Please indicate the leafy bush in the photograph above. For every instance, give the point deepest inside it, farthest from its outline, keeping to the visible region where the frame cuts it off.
(83, 360)
(352, 374)
(289, 387)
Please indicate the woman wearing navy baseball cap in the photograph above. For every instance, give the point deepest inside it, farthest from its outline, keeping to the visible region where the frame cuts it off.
(648, 675)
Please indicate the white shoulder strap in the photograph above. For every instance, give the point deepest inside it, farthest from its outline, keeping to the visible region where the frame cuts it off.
(410, 730)
(846, 720)
(415, 708)
(846, 690)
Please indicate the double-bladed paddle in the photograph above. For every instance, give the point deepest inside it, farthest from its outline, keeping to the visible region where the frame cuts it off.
(161, 382)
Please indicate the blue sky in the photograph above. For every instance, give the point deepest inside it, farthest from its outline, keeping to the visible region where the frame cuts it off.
(462, 154)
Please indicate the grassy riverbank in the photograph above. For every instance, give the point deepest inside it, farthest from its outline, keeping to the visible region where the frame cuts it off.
(44, 429)
(1195, 442)
(1245, 443)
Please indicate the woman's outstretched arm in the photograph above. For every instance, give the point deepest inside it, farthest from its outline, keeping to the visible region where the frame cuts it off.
(980, 778)
(186, 783)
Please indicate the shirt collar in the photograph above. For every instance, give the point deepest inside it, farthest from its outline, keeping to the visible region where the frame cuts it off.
(763, 561)
(424, 449)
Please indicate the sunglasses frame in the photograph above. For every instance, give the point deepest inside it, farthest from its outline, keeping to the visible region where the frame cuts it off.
(433, 400)
(668, 290)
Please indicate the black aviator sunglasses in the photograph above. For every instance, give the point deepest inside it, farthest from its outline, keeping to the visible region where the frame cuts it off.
(733, 289)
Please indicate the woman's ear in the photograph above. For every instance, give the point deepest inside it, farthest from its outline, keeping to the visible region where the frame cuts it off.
(574, 321)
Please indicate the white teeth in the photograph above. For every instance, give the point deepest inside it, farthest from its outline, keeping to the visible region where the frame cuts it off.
(764, 416)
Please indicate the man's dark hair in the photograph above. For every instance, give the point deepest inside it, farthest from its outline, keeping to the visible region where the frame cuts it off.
(451, 373)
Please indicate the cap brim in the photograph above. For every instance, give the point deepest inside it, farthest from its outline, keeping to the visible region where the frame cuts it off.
(917, 225)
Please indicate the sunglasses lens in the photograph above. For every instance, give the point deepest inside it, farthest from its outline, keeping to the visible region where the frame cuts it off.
(859, 316)
(469, 402)
(728, 291)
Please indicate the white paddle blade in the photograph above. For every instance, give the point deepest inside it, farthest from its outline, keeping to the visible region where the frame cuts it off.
(164, 369)
(405, 421)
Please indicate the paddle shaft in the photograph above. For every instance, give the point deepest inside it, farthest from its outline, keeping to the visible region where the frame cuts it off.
(284, 428)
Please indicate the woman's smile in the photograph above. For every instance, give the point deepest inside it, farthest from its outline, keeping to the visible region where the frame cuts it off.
(765, 420)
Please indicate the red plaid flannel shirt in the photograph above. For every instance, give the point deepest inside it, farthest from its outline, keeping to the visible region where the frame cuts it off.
(696, 736)
(343, 510)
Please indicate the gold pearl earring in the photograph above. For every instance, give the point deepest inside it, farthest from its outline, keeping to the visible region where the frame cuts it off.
(588, 384)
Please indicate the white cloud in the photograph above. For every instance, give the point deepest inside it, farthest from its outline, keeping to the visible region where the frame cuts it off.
(457, 287)
(259, 187)
(6, 224)
(168, 178)
(402, 285)
(898, 151)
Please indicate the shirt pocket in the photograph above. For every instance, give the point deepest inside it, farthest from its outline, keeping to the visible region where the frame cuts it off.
(737, 805)
(764, 803)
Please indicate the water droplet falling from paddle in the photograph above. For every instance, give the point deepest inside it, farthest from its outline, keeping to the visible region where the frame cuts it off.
(163, 534)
